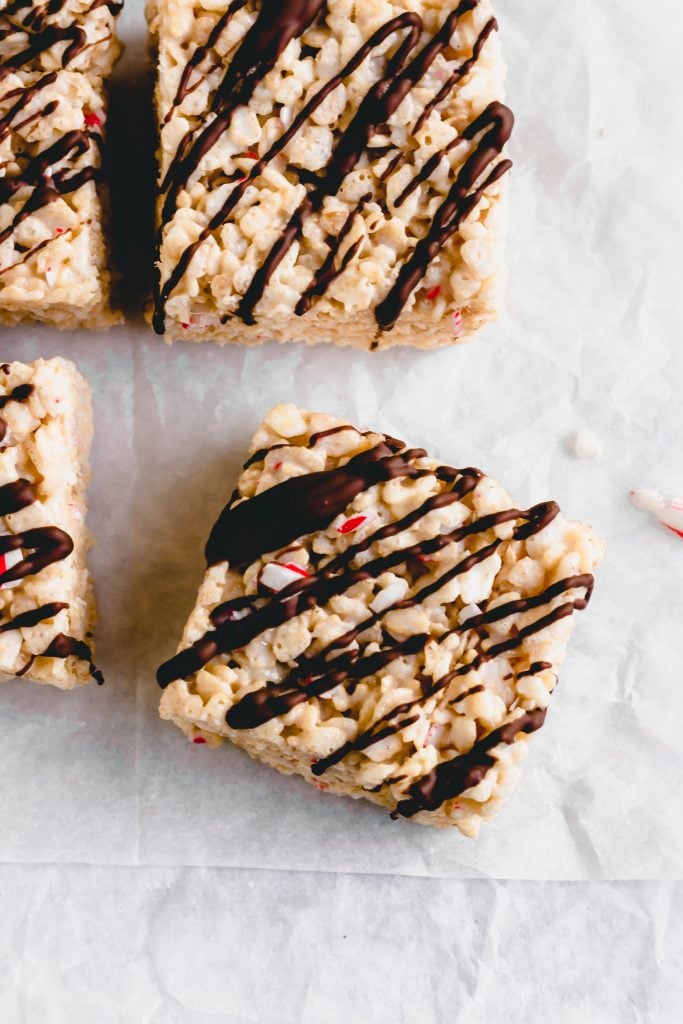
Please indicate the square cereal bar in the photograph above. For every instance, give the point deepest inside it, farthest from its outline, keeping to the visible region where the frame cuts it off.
(53, 257)
(380, 623)
(329, 171)
(46, 604)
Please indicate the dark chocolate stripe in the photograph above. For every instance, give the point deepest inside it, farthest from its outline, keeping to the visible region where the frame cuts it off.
(48, 187)
(298, 506)
(476, 622)
(496, 125)
(15, 496)
(31, 618)
(260, 705)
(49, 544)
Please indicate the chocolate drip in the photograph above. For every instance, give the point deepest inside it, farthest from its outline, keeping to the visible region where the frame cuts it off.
(451, 778)
(48, 543)
(15, 496)
(376, 108)
(496, 124)
(538, 666)
(63, 646)
(298, 506)
(31, 618)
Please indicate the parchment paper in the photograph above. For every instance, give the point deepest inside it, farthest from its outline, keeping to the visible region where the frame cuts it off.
(591, 339)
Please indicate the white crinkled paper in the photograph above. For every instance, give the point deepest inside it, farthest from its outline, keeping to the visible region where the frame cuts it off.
(592, 340)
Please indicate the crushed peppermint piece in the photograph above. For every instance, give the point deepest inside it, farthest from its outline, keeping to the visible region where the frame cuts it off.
(349, 525)
(586, 444)
(648, 501)
(8, 561)
(276, 575)
(457, 324)
(91, 118)
(198, 739)
(669, 514)
(434, 292)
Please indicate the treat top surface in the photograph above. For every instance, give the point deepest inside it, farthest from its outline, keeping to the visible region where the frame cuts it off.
(374, 607)
(328, 157)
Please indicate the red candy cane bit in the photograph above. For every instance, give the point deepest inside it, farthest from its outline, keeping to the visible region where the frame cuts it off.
(351, 524)
(433, 292)
(91, 118)
(251, 155)
(321, 785)
(199, 739)
(293, 567)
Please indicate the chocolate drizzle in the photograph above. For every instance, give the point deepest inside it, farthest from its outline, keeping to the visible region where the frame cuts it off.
(31, 618)
(451, 778)
(41, 173)
(252, 59)
(62, 646)
(15, 496)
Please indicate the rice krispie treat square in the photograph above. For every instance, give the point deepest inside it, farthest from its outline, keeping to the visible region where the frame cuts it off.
(329, 171)
(382, 624)
(53, 257)
(46, 604)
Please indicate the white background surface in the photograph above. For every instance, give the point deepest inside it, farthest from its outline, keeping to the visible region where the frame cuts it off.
(143, 879)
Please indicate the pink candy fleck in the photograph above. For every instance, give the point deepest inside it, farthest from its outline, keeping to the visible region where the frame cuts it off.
(457, 323)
